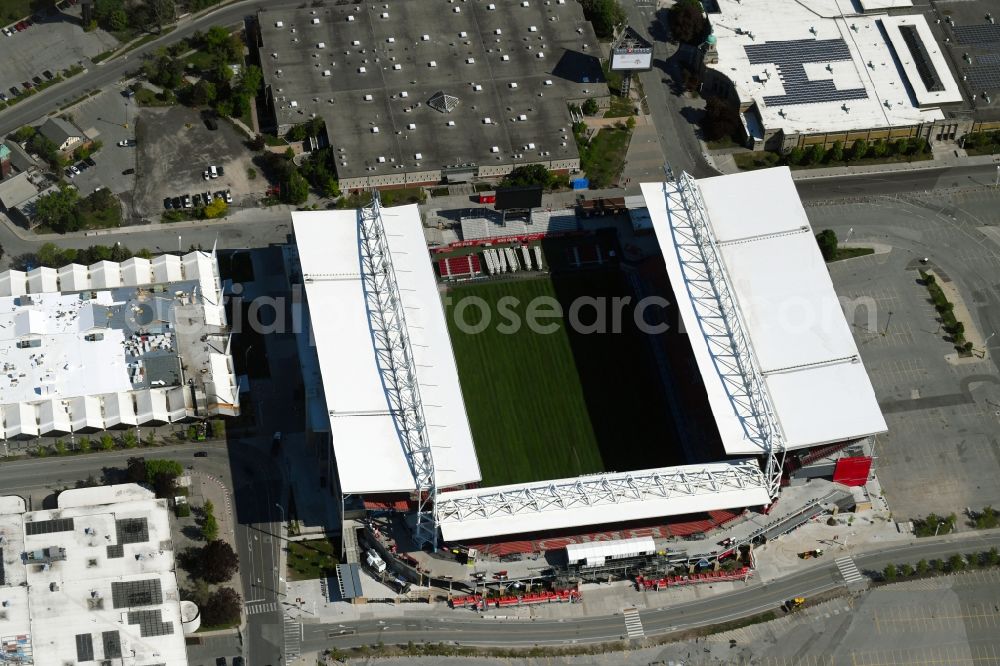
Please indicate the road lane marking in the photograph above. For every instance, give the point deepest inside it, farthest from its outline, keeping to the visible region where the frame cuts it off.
(633, 625)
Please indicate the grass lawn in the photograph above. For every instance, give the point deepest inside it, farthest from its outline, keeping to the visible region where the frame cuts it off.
(311, 559)
(620, 108)
(851, 252)
(553, 405)
(146, 97)
(13, 10)
(603, 157)
(198, 60)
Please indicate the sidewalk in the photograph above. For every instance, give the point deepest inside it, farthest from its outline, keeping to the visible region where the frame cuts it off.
(726, 165)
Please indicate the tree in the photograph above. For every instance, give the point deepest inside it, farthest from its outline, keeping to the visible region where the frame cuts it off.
(209, 525)
(816, 154)
(85, 444)
(129, 440)
(107, 443)
(889, 573)
(203, 93)
(837, 152)
(296, 133)
(529, 174)
(222, 608)
(796, 155)
(879, 148)
(249, 82)
(135, 470)
(992, 558)
(217, 562)
(162, 11)
(60, 447)
(117, 20)
(257, 143)
(918, 146)
(59, 210)
(720, 120)
(859, 149)
(906, 570)
(295, 189)
(156, 466)
(922, 567)
(216, 208)
(687, 21)
(902, 146)
(604, 15)
(987, 519)
(827, 240)
(24, 133)
(956, 563)
(590, 106)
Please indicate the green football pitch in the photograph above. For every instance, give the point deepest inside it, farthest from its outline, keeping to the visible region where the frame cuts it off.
(558, 404)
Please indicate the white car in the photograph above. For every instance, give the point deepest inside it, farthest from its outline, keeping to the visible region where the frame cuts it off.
(205, 174)
(73, 171)
(7, 32)
(213, 171)
(229, 197)
(126, 143)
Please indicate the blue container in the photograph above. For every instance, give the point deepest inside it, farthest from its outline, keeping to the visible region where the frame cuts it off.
(580, 184)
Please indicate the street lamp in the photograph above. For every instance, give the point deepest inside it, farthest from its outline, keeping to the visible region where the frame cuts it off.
(996, 183)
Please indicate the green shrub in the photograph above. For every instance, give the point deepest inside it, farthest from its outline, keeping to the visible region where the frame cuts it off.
(182, 510)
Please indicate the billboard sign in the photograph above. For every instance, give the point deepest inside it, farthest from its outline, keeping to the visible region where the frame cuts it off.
(632, 59)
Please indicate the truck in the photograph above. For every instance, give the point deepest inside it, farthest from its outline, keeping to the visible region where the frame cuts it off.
(809, 554)
(793, 604)
(376, 563)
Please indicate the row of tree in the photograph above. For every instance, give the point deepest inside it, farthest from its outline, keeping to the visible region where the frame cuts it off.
(604, 15)
(953, 564)
(64, 210)
(858, 150)
(688, 23)
(144, 16)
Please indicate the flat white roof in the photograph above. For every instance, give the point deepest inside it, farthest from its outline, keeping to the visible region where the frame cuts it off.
(873, 5)
(598, 550)
(92, 580)
(563, 503)
(788, 56)
(792, 317)
(370, 455)
(949, 87)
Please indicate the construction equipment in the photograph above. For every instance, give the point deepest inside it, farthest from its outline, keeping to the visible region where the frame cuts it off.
(809, 554)
(793, 604)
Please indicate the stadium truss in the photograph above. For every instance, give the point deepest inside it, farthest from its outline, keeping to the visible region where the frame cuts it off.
(598, 490)
(721, 323)
(395, 362)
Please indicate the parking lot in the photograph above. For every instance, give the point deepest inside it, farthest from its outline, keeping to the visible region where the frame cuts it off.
(941, 453)
(109, 118)
(174, 149)
(30, 53)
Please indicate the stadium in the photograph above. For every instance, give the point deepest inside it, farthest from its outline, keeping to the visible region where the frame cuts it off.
(513, 441)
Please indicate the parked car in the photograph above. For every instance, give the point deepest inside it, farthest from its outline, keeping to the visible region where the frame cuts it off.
(197, 199)
(20, 27)
(177, 203)
(187, 201)
(213, 171)
(205, 174)
(37, 80)
(229, 197)
(211, 123)
(167, 204)
(47, 74)
(14, 91)
(7, 32)
(3, 96)
(26, 85)
(128, 172)
(90, 161)
(81, 167)
(73, 170)
(202, 454)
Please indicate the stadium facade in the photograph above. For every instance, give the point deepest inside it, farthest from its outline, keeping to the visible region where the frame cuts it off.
(781, 370)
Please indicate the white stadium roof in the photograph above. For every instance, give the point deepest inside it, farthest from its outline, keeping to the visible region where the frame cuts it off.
(786, 305)
(598, 499)
(369, 450)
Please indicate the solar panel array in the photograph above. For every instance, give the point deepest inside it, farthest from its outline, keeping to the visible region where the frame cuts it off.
(84, 647)
(3, 572)
(116, 551)
(112, 644)
(150, 623)
(130, 594)
(48, 526)
(132, 530)
(789, 58)
(983, 78)
(976, 35)
(921, 58)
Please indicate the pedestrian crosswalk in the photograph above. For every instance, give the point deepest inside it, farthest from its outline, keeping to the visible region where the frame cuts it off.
(263, 607)
(849, 570)
(633, 625)
(292, 639)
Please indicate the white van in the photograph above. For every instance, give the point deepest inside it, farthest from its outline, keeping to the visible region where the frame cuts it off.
(374, 561)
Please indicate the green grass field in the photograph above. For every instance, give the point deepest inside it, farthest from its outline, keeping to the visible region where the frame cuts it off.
(544, 406)
(523, 394)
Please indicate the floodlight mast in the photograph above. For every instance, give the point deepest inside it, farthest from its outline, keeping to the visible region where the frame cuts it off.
(397, 367)
(729, 344)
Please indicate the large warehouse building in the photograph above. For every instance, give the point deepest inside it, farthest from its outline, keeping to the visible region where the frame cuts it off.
(420, 93)
(819, 71)
(86, 348)
(780, 368)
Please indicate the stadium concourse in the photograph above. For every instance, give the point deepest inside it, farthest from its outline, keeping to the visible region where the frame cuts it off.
(781, 373)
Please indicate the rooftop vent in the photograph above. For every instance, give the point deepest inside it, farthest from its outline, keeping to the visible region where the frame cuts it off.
(443, 103)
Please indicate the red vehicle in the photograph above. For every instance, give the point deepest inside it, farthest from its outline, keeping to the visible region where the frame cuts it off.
(500, 575)
(20, 27)
(487, 197)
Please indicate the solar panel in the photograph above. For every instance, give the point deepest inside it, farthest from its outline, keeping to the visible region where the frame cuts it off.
(112, 644)
(132, 530)
(116, 551)
(84, 647)
(150, 623)
(977, 34)
(790, 58)
(48, 526)
(921, 59)
(3, 573)
(134, 593)
(983, 78)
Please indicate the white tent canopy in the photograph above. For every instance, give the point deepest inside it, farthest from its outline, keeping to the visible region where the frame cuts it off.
(106, 275)
(43, 280)
(20, 419)
(167, 268)
(136, 272)
(53, 417)
(151, 405)
(13, 283)
(85, 413)
(119, 409)
(73, 277)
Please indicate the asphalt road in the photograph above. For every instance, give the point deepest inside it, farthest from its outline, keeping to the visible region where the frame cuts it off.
(887, 184)
(468, 629)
